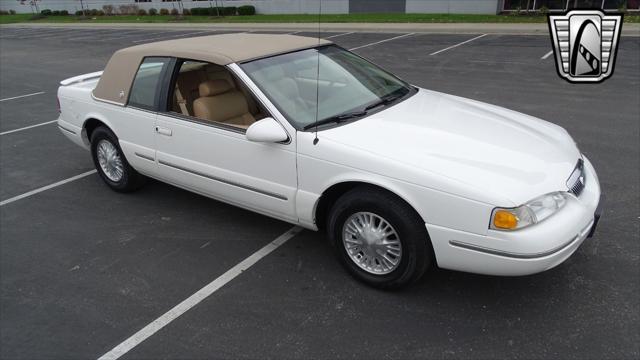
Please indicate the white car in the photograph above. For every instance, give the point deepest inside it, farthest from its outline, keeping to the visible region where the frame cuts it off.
(400, 178)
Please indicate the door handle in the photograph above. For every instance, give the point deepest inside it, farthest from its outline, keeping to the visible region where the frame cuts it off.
(163, 131)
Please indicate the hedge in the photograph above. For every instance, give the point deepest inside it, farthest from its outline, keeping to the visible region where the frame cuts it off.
(48, 12)
(246, 10)
(215, 11)
(201, 11)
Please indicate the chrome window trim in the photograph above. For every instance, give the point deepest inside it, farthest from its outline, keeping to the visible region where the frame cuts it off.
(106, 101)
(228, 182)
(195, 120)
(140, 109)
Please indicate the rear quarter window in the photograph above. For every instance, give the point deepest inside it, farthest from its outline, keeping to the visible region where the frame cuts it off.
(147, 83)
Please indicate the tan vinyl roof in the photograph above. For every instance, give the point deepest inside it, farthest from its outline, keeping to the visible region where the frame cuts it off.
(224, 49)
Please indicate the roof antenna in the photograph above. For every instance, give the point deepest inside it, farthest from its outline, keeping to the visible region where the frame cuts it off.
(315, 139)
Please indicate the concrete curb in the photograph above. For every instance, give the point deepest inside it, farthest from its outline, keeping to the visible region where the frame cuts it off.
(628, 29)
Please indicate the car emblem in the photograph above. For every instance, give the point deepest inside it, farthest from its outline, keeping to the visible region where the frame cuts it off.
(121, 94)
(585, 43)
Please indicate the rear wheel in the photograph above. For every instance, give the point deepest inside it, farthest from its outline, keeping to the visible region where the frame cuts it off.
(110, 162)
(379, 238)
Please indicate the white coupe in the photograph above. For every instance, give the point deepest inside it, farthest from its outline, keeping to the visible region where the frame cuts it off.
(400, 178)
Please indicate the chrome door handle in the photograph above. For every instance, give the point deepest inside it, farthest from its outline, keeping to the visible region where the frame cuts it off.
(163, 131)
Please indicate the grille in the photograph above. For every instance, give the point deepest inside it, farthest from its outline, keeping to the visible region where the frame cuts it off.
(577, 180)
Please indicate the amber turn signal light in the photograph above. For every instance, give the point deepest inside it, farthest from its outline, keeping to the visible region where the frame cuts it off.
(503, 219)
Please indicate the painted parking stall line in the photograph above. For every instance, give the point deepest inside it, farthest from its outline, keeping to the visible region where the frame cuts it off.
(27, 127)
(32, 32)
(459, 44)
(545, 56)
(92, 34)
(193, 300)
(47, 187)
(122, 35)
(46, 34)
(381, 41)
(174, 36)
(156, 35)
(22, 96)
(343, 34)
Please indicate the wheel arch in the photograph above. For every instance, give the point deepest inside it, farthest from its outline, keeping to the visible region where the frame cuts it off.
(332, 193)
(92, 122)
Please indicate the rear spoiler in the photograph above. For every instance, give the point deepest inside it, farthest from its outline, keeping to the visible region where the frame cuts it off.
(81, 78)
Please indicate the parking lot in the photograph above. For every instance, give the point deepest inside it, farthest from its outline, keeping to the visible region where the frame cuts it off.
(83, 268)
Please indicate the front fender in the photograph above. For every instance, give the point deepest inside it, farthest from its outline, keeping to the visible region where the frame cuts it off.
(435, 207)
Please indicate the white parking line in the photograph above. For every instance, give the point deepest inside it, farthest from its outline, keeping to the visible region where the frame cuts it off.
(92, 35)
(333, 36)
(27, 127)
(456, 45)
(381, 41)
(32, 33)
(547, 55)
(22, 96)
(39, 34)
(123, 34)
(293, 33)
(196, 298)
(44, 188)
(144, 34)
(172, 36)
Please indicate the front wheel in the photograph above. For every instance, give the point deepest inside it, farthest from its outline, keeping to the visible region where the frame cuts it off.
(379, 238)
(111, 164)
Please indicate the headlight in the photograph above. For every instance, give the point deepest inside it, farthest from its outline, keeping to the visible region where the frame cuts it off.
(530, 213)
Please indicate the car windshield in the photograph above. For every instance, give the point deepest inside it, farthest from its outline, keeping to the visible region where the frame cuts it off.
(349, 86)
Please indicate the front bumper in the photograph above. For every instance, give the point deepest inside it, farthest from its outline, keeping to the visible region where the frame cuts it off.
(527, 251)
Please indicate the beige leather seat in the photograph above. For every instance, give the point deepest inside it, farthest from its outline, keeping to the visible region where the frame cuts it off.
(221, 102)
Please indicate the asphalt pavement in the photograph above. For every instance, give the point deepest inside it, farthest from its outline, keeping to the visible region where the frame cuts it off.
(83, 268)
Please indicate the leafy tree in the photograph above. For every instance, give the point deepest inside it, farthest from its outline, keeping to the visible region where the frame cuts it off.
(33, 3)
(84, 13)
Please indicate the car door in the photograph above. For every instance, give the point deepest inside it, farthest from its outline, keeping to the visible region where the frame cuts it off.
(217, 160)
(137, 120)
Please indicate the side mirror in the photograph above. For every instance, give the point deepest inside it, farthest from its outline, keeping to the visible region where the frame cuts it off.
(266, 130)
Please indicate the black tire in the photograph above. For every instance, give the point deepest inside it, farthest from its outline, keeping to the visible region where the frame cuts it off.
(417, 252)
(131, 180)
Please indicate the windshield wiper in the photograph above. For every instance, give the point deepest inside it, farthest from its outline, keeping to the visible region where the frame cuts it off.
(384, 101)
(346, 116)
(336, 119)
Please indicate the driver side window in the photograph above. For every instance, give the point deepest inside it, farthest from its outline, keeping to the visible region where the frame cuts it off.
(210, 94)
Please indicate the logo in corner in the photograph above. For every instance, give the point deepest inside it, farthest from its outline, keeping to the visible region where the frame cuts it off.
(585, 43)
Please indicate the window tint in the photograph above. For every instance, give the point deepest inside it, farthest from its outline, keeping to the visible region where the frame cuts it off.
(146, 85)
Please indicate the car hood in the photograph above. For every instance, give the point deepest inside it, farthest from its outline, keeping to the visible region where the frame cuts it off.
(489, 149)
